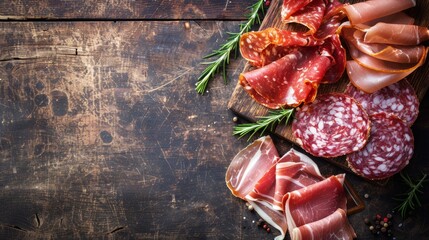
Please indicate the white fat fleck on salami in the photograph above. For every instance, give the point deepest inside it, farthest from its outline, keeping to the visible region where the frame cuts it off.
(399, 99)
(390, 147)
(333, 125)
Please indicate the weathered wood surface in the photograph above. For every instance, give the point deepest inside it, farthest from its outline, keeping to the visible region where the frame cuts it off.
(245, 106)
(122, 9)
(102, 135)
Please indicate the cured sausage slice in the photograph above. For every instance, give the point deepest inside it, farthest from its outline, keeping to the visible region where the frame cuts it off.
(399, 99)
(263, 47)
(289, 81)
(388, 151)
(333, 125)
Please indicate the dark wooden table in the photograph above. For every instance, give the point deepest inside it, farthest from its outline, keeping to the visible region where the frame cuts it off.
(103, 136)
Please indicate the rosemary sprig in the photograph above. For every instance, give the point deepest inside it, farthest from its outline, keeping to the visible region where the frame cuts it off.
(264, 122)
(224, 52)
(411, 199)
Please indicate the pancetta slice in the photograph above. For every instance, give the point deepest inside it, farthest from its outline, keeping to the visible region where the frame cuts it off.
(249, 165)
(289, 81)
(314, 202)
(366, 11)
(334, 226)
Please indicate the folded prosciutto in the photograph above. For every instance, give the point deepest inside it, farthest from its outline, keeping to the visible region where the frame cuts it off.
(366, 11)
(284, 191)
(334, 226)
(314, 202)
(249, 165)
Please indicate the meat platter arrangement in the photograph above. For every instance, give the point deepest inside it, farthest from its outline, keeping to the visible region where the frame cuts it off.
(354, 72)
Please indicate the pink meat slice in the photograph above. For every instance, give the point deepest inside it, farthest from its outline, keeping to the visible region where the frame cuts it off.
(399, 99)
(250, 165)
(293, 171)
(366, 11)
(388, 151)
(334, 226)
(314, 202)
(333, 125)
(289, 81)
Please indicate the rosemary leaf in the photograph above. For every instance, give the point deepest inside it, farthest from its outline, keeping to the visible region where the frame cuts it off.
(411, 198)
(223, 53)
(264, 122)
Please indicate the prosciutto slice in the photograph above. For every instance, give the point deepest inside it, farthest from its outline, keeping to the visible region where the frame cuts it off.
(283, 181)
(334, 226)
(373, 9)
(399, 34)
(382, 51)
(249, 165)
(293, 171)
(315, 201)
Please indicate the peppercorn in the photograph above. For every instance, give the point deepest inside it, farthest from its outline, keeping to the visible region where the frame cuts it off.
(371, 227)
(383, 229)
(385, 225)
(268, 229)
(366, 221)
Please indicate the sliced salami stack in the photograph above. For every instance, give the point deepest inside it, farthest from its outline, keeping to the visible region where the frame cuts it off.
(371, 129)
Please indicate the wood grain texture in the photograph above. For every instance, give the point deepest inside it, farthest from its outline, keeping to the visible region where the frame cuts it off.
(122, 9)
(246, 107)
(103, 136)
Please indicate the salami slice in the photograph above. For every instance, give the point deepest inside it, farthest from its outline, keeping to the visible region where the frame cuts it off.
(388, 151)
(398, 99)
(310, 16)
(333, 125)
(263, 47)
(289, 81)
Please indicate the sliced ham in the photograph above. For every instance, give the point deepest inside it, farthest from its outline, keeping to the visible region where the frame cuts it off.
(293, 171)
(398, 34)
(334, 226)
(373, 9)
(369, 80)
(249, 165)
(314, 202)
(382, 51)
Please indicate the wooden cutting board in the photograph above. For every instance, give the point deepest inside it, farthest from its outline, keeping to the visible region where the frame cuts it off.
(244, 106)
